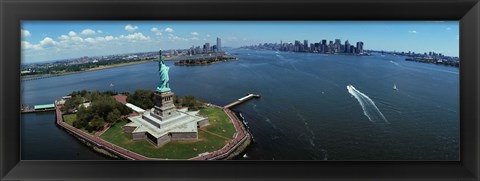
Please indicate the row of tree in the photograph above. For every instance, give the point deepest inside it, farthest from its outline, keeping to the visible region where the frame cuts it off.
(145, 100)
(203, 61)
(102, 109)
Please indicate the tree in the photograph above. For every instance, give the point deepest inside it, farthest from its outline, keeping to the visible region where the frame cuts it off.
(103, 108)
(113, 116)
(97, 123)
(142, 98)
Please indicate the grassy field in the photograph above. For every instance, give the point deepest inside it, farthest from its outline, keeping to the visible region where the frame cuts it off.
(177, 149)
(70, 118)
(219, 121)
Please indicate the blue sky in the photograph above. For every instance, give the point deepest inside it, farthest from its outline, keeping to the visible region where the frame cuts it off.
(55, 40)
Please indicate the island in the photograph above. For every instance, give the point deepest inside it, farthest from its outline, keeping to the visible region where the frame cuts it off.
(204, 60)
(153, 124)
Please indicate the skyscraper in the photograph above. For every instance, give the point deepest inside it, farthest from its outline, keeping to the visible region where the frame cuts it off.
(347, 47)
(337, 45)
(359, 47)
(305, 45)
(219, 44)
(206, 48)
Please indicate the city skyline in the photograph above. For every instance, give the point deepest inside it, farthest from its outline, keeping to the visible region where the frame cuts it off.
(55, 40)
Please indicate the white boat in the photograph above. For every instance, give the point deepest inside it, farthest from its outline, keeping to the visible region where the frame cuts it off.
(111, 84)
(395, 87)
(245, 156)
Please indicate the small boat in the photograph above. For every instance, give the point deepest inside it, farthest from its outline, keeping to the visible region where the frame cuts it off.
(245, 156)
(395, 87)
(111, 85)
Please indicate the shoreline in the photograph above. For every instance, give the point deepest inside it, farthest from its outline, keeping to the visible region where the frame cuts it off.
(43, 76)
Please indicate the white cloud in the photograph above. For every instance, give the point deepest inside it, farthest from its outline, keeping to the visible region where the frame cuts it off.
(108, 38)
(63, 37)
(412, 31)
(88, 32)
(156, 31)
(133, 37)
(28, 46)
(208, 35)
(194, 33)
(90, 40)
(99, 31)
(194, 38)
(448, 28)
(69, 43)
(174, 37)
(25, 33)
(168, 30)
(77, 39)
(130, 27)
(47, 42)
(72, 33)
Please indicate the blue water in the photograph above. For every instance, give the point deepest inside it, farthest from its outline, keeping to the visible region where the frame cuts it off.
(305, 110)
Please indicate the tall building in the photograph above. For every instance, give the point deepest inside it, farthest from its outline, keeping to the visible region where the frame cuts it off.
(324, 46)
(219, 44)
(324, 42)
(359, 47)
(347, 47)
(206, 48)
(305, 45)
(297, 45)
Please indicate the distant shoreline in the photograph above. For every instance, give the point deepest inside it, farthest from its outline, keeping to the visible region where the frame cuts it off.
(41, 76)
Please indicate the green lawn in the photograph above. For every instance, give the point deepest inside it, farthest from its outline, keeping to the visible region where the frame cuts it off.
(70, 118)
(220, 123)
(175, 149)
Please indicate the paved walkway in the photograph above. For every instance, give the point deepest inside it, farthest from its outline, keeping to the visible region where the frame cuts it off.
(215, 134)
(94, 139)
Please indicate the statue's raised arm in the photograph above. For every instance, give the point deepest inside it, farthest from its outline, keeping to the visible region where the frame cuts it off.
(163, 85)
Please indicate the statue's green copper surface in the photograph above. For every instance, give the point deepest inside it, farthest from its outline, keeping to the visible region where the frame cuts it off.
(163, 85)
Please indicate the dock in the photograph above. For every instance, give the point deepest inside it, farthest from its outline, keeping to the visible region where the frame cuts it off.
(38, 108)
(242, 100)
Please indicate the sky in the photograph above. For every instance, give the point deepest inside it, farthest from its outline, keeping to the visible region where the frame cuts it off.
(56, 40)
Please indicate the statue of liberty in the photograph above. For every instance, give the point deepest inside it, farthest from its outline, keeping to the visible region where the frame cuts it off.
(163, 85)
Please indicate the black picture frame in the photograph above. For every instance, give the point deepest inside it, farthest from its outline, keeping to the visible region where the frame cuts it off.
(13, 11)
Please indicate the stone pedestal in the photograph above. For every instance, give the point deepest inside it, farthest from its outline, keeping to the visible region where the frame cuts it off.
(164, 107)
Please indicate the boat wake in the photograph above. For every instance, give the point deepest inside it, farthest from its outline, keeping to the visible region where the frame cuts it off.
(395, 63)
(369, 108)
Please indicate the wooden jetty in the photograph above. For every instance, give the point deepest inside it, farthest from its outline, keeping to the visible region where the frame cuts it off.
(242, 100)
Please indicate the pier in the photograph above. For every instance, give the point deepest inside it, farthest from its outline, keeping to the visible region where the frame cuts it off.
(242, 100)
(38, 108)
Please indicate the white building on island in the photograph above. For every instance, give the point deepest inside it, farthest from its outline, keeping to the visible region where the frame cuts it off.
(164, 123)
